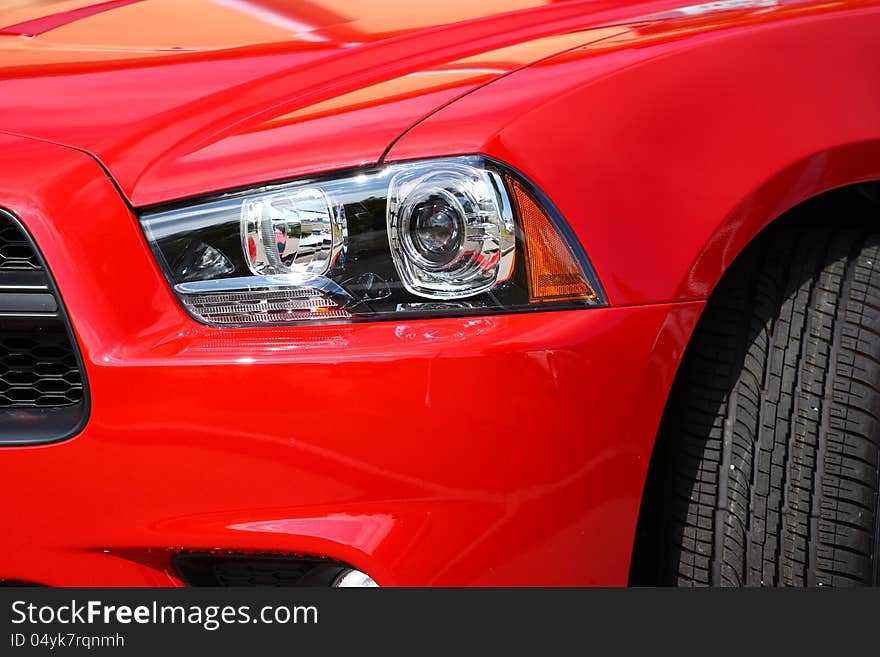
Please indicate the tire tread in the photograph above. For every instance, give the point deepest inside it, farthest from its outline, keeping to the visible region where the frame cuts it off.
(775, 420)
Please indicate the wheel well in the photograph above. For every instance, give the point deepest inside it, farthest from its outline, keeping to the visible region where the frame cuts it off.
(851, 205)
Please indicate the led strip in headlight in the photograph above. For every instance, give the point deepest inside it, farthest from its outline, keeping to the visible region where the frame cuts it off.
(443, 236)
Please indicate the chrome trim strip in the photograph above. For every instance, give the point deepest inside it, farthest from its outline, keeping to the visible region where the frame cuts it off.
(320, 284)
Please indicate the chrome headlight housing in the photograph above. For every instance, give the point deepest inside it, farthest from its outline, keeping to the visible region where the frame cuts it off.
(451, 229)
(447, 236)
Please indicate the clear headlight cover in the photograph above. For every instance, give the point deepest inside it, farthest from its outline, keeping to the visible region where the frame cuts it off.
(445, 236)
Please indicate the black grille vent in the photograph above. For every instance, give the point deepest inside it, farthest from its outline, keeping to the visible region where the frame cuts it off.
(38, 369)
(42, 387)
(256, 570)
(16, 252)
(16, 583)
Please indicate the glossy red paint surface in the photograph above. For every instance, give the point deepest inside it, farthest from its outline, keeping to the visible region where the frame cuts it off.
(667, 137)
(247, 98)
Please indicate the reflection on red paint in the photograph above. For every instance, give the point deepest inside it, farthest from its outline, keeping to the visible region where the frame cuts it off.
(364, 532)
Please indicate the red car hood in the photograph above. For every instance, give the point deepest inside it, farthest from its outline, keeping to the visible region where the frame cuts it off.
(182, 98)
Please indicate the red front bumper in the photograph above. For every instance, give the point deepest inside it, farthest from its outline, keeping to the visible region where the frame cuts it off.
(509, 449)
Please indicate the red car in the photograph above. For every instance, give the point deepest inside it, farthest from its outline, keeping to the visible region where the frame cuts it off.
(476, 292)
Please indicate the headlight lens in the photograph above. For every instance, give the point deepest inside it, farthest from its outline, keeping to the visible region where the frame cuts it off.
(450, 229)
(443, 236)
(296, 230)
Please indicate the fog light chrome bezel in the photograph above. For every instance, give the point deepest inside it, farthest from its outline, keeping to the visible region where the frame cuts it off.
(352, 578)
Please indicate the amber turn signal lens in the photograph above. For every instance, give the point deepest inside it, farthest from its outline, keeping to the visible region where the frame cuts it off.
(553, 271)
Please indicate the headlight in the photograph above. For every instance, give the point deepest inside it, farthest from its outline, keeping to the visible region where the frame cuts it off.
(444, 236)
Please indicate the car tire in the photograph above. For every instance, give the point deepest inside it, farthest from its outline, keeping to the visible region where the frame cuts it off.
(771, 473)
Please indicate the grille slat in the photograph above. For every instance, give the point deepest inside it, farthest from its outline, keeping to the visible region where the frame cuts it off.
(42, 386)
